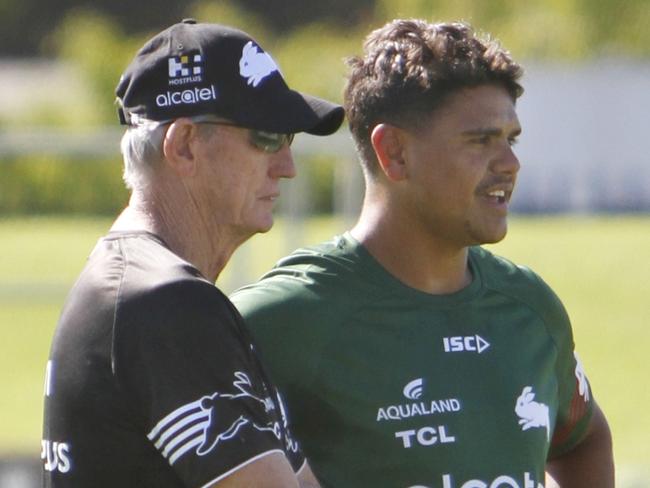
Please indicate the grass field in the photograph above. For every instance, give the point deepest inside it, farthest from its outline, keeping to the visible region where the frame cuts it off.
(600, 267)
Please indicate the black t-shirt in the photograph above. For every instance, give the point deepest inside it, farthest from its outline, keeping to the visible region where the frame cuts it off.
(152, 379)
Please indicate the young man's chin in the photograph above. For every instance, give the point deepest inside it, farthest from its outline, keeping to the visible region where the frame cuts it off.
(490, 235)
(497, 237)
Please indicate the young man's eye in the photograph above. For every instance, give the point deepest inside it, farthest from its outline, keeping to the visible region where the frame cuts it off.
(483, 140)
(513, 141)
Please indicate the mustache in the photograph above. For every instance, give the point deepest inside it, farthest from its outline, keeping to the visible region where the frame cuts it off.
(498, 181)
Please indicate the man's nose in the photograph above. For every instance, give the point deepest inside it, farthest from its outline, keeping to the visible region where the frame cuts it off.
(507, 162)
(283, 165)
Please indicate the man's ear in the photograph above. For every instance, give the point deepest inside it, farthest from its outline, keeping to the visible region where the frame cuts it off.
(387, 141)
(179, 148)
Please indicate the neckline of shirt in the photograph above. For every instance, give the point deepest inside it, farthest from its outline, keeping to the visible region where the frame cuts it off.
(374, 267)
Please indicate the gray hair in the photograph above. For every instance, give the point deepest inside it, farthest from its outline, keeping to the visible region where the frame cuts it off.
(141, 148)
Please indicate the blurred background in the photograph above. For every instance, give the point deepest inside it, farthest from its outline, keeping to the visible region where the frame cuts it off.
(581, 209)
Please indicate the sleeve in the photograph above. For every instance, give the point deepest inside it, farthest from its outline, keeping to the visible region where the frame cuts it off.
(284, 318)
(575, 408)
(294, 321)
(575, 403)
(194, 384)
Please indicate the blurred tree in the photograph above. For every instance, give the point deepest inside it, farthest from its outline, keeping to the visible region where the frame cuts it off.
(536, 28)
(40, 17)
(231, 13)
(312, 58)
(547, 29)
(283, 15)
(560, 32)
(100, 48)
(604, 26)
(620, 28)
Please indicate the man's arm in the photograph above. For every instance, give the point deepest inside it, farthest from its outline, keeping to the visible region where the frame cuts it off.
(271, 471)
(306, 477)
(591, 463)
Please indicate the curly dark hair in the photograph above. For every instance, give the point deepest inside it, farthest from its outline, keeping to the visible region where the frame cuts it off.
(408, 69)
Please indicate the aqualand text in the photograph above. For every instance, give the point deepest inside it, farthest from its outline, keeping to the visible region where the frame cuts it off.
(400, 412)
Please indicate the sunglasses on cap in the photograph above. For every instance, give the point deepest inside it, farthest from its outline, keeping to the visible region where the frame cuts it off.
(269, 142)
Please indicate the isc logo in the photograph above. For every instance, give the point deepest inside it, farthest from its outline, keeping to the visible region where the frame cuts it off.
(473, 343)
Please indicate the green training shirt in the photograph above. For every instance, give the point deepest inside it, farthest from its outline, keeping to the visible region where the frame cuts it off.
(388, 386)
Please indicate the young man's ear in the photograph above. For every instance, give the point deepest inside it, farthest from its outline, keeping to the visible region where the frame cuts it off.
(387, 141)
(179, 148)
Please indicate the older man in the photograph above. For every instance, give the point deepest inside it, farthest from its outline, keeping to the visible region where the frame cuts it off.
(409, 355)
(153, 380)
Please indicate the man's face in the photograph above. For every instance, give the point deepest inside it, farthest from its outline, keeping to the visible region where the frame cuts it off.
(462, 169)
(239, 183)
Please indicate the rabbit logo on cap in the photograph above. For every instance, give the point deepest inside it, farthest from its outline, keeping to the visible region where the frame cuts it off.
(255, 65)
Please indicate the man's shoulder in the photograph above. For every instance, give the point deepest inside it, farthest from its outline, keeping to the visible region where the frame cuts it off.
(499, 271)
(499, 268)
(131, 275)
(148, 261)
(308, 279)
(328, 258)
(518, 282)
(152, 285)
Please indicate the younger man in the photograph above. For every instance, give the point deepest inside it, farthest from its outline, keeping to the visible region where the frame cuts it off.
(409, 355)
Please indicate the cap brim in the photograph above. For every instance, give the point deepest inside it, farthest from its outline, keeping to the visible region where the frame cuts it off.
(290, 112)
(327, 116)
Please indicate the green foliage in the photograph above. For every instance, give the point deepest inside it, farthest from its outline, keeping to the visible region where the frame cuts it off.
(554, 37)
(321, 174)
(318, 171)
(231, 13)
(542, 29)
(620, 28)
(313, 58)
(47, 185)
(96, 45)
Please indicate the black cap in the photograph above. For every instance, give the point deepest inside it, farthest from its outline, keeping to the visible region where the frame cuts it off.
(198, 69)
